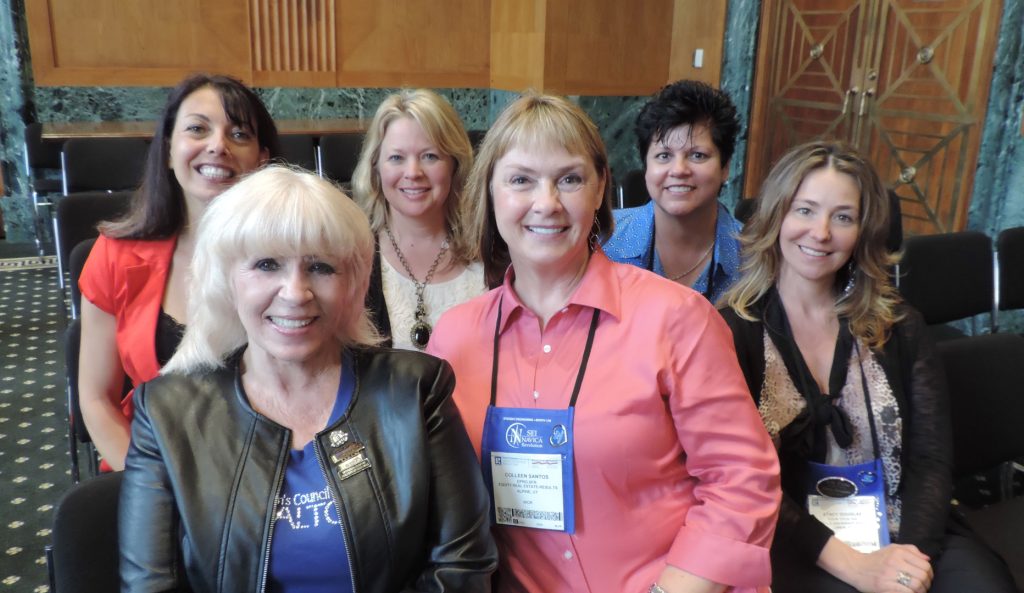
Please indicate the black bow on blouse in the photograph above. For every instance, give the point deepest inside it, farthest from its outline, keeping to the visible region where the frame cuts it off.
(804, 437)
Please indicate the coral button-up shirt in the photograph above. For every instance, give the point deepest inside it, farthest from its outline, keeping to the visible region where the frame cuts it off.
(673, 464)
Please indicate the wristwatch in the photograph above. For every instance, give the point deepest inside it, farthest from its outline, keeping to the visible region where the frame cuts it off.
(655, 588)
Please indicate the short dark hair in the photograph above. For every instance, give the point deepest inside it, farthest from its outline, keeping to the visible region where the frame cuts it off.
(688, 102)
(158, 206)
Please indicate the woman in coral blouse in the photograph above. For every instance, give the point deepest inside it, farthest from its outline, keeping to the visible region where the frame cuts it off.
(213, 130)
(613, 423)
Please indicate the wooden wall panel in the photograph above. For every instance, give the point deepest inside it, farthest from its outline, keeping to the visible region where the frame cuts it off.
(125, 42)
(594, 47)
(607, 47)
(517, 44)
(413, 42)
(697, 24)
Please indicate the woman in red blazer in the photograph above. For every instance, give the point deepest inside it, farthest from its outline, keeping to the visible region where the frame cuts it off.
(213, 131)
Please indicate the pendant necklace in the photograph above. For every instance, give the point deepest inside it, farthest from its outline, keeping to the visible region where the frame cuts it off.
(419, 335)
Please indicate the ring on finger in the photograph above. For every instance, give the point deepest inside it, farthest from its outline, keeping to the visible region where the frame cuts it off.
(903, 578)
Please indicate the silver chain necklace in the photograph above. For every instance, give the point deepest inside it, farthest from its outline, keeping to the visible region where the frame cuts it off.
(419, 335)
(695, 266)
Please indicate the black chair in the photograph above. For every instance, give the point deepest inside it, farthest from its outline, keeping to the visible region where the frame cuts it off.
(476, 137)
(76, 220)
(299, 149)
(77, 432)
(895, 239)
(76, 261)
(985, 375)
(103, 164)
(1010, 258)
(84, 555)
(744, 209)
(633, 190)
(41, 156)
(339, 155)
(947, 277)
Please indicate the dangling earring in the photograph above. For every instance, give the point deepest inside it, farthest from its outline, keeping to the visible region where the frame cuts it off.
(851, 279)
(595, 234)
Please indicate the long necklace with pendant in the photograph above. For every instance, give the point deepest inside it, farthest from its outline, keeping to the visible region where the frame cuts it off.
(419, 335)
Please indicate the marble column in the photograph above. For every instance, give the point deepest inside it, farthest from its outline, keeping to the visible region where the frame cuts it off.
(14, 84)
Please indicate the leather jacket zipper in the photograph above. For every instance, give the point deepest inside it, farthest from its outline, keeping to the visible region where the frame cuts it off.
(273, 521)
(337, 508)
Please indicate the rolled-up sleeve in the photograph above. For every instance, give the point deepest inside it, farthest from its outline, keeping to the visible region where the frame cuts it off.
(728, 530)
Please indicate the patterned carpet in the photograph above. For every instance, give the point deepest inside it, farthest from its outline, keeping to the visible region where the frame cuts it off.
(33, 451)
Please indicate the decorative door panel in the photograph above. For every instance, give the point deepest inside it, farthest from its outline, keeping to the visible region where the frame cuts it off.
(905, 80)
(930, 77)
(807, 71)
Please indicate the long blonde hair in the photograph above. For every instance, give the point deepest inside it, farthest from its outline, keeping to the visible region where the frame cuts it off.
(870, 306)
(444, 128)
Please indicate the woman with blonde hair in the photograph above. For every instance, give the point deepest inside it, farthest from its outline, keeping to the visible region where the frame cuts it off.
(849, 388)
(410, 181)
(615, 431)
(280, 449)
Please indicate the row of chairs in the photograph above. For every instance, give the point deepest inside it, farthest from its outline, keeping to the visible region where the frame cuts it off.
(986, 408)
(112, 164)
(116, 164)
(954, 276)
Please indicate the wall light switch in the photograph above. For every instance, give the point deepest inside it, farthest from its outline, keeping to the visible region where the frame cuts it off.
(698, 58)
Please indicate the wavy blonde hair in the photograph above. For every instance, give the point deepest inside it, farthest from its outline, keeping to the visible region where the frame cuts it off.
(280, 211)
(444, 128)
(871, 305)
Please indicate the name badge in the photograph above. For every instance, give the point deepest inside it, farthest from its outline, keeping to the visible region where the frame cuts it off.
(851, 502)
(527, 460)
(349, 459)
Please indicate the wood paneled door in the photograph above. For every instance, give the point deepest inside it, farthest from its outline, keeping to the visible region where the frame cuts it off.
(907, 81)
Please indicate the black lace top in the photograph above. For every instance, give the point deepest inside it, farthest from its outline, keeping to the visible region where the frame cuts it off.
(168, 336)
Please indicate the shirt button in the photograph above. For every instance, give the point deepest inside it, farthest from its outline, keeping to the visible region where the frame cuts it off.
(536, 394)
(568, 554)
(547, 348)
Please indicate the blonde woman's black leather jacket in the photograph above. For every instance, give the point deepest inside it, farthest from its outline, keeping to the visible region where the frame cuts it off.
(204, 468)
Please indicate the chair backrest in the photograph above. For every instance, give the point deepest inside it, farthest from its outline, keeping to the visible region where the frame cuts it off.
(85, 552)
(1010, 253)
(40, 154)
(298, 149)
(76, 261)
(633, 190)
(103, 164)
(475, 138)
(895, 239)
(339, 155)
(948, 276)
(72, 349)
(78, 215)
(985, 374)
(745, 209)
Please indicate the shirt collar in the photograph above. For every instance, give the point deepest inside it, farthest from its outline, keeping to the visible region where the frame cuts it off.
(638, 229)
(598, 289)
